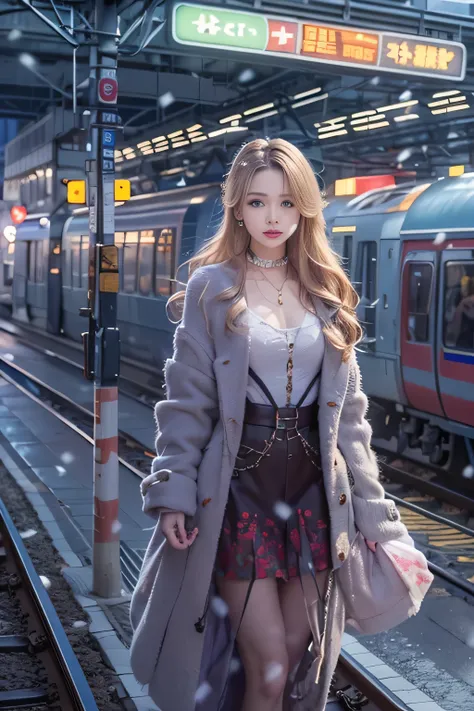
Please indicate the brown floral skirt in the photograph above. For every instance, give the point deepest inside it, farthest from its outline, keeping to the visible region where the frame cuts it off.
(276, 522)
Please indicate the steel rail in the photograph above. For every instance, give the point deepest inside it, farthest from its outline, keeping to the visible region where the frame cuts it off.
(4, 366)
(369, 685)
(46, 632)
(149, 390)
(427, 487)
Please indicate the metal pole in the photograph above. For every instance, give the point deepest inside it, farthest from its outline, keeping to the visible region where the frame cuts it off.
(102, 343)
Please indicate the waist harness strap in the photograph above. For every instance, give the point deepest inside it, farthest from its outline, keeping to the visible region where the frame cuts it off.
(270, 397)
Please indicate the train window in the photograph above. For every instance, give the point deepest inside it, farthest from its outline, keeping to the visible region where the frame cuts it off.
(85, 261)
(130, 262)
(145, 262)
(119, 242)
(459, 305)
(76, 261)
(347, 254)
(420, 285)
(366, 283)
(66, 262)
(41, 257)
(31, 261)
(165, 241)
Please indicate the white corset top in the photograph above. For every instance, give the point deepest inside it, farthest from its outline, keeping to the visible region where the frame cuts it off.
(269, 353)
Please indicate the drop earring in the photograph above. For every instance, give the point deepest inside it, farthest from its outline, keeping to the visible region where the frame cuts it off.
(240, 223)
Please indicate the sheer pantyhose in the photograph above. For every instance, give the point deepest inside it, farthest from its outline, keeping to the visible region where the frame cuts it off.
(273, 636)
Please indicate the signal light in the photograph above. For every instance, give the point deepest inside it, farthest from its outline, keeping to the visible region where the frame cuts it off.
(362, 184)
(122, 190)
(456, 170)
(18, 214)
(76, 192)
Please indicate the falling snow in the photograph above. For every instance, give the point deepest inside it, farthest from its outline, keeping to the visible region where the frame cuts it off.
(79, 623)
(14, 35)
(468, 472)
(282, 510)
(405, 95)
(29, 533)
(273, 672)
(166, 100)
(203, 692)
(67, 457)
(9, 356)
(61, 471)
(404, 154)
(440, 238)
(46, 581)
(116, 526)
(219, 606)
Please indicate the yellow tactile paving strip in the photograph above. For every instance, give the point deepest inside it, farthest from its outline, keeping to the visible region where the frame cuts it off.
(440, 535)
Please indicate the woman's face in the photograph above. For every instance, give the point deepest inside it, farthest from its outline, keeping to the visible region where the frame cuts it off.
(269, 213)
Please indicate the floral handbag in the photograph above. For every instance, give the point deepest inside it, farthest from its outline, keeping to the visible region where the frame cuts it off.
(383, 587)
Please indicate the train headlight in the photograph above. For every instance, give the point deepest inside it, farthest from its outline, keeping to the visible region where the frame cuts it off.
(44, 222)
(9, 232)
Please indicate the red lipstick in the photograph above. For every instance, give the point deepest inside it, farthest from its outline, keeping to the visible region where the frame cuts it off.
(272, 233)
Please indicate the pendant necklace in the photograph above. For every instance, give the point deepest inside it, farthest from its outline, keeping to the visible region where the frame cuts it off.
(278, 290)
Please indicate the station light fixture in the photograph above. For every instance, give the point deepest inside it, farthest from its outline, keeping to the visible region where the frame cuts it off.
(304, 94)
(228, 119)
(456, 170)
(9, 232)
(441, 94)
(256, 109)
(311, 100)
(18, 214)
(406, 117)
(401, 105)
(343, 132)
(266, 114)
(194, 128)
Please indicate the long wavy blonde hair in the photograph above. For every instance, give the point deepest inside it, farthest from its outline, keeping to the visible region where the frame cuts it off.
(309, 254)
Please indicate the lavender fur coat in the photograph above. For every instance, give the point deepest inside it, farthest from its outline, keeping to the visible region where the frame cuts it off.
(199, 432)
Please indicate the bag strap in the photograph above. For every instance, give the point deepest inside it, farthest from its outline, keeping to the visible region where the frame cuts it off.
(306, 392)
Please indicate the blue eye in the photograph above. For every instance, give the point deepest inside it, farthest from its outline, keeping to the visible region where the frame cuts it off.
(252, 203)
(288, 202)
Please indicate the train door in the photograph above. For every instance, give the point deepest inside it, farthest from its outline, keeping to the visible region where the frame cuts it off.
(388, 296)
(455, 341)
(417, 337)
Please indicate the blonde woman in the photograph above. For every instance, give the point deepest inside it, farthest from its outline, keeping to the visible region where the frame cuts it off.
(264, 467)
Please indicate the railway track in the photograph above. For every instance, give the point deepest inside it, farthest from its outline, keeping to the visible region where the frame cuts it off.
(356, 688)
(45, 639)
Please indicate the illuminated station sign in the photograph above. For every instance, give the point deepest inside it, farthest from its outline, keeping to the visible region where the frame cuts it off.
(316, 42)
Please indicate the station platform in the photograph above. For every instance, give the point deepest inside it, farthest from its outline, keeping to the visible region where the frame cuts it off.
(428, 662)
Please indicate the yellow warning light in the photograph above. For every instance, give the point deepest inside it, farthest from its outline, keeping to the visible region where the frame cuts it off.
(76, 192)
(345, 186)
(456, 170)
(122, 190)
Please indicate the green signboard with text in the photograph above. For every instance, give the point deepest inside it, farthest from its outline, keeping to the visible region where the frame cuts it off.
(306, 40)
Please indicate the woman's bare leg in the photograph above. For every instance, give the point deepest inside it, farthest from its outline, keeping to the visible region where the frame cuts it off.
(261, 641)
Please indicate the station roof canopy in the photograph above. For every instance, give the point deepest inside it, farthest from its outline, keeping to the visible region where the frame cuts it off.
(364, 83)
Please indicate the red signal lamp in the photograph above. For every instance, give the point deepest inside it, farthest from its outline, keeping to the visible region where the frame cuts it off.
(18, 214)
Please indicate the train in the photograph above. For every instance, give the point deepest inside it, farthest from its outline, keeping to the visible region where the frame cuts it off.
(408, 249)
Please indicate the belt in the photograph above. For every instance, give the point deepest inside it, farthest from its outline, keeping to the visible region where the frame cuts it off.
(283, 418)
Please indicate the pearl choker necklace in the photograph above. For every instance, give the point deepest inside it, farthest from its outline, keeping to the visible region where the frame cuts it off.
(265, 263)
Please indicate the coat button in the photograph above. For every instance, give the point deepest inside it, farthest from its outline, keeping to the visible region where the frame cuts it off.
(332, 404)
(206, 501)
(342, 499)
(341, 556)
(226, 362)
